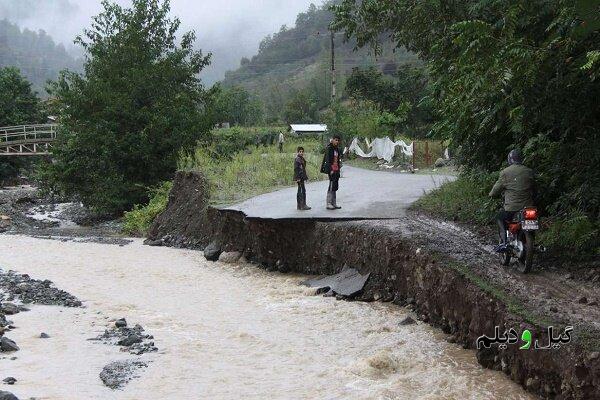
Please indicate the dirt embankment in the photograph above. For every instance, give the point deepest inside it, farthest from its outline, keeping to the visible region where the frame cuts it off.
(440, 271)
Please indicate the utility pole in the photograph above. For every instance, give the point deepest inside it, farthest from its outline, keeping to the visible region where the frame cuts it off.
(333, 92)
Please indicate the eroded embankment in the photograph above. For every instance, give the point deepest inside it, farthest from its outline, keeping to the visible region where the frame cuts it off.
(443, 291)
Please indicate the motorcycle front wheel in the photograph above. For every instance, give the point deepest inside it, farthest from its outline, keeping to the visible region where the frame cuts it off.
(526, 258)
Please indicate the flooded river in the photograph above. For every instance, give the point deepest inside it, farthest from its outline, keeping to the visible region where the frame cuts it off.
(223, 332)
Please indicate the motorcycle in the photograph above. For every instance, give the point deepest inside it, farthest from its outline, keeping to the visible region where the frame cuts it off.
(521, 239)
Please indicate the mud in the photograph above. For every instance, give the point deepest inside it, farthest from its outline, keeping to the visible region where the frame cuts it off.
(442, 271)
(187, 220)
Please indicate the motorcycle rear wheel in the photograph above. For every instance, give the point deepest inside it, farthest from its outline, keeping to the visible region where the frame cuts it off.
(526, 259)
(504, 257)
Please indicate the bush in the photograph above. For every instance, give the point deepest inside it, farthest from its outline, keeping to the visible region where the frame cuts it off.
(137, 221)
(463, 200)
(228, 141)
(574, 233)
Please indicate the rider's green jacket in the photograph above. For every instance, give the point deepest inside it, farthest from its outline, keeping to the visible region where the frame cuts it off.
(517, 183)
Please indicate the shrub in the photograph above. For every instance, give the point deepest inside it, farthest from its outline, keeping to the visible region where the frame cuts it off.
(463, 200)
(137, 221)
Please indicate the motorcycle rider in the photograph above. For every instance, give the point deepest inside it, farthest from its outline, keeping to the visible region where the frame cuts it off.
(517, 184)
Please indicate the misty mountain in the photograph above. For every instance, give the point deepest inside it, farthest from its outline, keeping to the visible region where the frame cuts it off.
(35, 53)
(299, 58)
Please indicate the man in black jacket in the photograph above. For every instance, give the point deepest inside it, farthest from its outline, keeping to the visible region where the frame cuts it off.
(332, 165)
(300, 176)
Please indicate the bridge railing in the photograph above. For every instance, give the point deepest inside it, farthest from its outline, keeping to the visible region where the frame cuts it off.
(27, 132)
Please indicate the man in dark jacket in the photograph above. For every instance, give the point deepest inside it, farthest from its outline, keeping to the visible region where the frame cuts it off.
(300, 176)
(332, 165)
(517, 184)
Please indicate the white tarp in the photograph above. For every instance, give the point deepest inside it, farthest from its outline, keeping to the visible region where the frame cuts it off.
(382, 148)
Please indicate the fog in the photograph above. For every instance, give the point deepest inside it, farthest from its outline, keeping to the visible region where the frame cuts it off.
(230, 29)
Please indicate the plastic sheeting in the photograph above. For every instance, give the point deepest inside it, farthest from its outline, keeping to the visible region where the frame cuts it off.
(382, 148)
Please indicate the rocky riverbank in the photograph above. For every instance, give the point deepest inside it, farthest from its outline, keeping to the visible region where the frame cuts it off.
(17, 291)
(25, 210)
(443, 272)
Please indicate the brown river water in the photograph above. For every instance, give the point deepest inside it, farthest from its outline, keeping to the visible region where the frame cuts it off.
(223, 332)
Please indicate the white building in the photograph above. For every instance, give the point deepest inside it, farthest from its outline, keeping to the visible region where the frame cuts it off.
(308, 129)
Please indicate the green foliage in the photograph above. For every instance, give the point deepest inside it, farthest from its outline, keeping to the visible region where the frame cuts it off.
(238, 107)
(19, 105)
(227, 142)
(302, 108)
(34, 53)
(463, 200)
(592, 66)
(506, 73)
(139, 101)
(363, 119)
(404, 96)
(137, 222)
(575, 233)
(252, 171)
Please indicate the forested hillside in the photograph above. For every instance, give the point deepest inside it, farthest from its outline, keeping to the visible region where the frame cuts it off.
(34, 53)
(295, 63)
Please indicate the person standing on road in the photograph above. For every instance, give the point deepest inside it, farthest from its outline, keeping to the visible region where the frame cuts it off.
(300, 176)
(280, 141)
(332, 165)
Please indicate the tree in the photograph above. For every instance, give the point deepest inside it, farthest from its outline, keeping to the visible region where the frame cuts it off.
(237, 106)
(404, 95)
(302, 108)
(19, 105)
(505, 73)
(137, 104)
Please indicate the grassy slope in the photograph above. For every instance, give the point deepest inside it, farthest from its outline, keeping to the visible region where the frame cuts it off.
(254, 171)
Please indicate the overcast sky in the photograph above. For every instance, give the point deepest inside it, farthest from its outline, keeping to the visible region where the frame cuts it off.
(230, 29)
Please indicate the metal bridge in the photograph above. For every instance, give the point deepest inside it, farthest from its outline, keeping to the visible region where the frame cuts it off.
(27, 140)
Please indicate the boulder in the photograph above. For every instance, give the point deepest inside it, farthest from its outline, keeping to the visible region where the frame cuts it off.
(230, 257)
(212, 251)
(154, 243)
(121, 323)
(130, 340)
(7, 396)
(7, 345)
(5, 222)
(9, 308)
(10, 380)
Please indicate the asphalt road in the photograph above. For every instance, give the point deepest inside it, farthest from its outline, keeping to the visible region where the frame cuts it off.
(363, 194)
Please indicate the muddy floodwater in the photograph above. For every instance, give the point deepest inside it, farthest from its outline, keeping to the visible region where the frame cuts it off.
(223, 332)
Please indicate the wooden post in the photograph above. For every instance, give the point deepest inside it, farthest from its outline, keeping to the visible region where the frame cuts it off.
(414, 154)
(427, 160)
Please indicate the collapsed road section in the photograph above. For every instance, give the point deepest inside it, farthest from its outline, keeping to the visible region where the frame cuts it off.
(444, 273)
